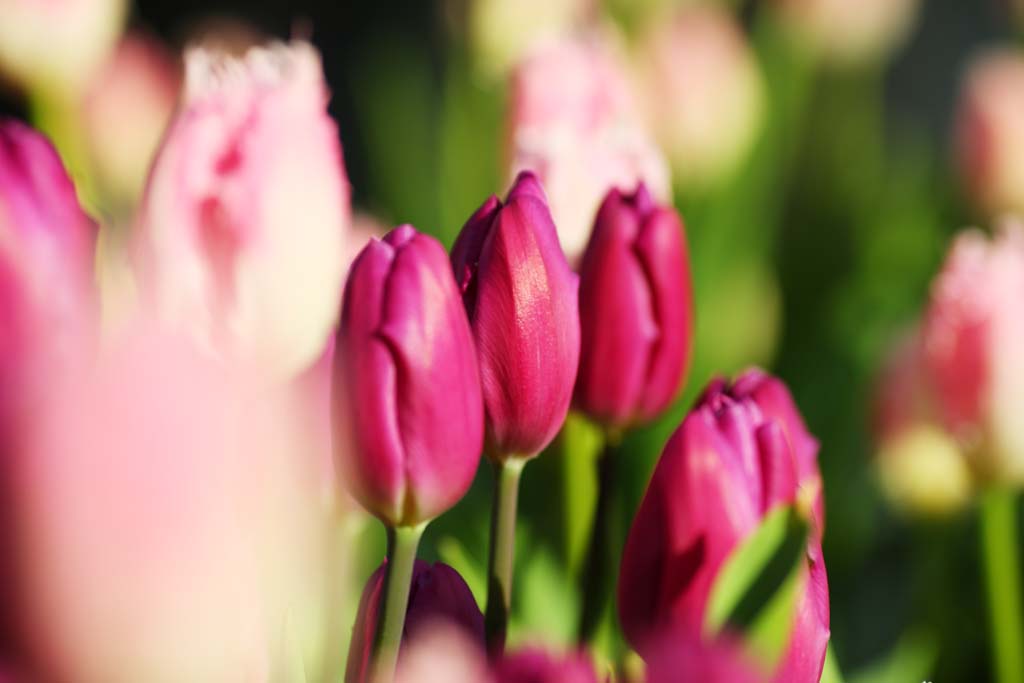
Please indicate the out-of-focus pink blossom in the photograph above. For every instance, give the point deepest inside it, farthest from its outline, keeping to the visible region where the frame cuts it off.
(407, 403)
(742, 451)
(972, 334)
(679, 657)
(534, 665)
(438, 596)
(703, 92)
(850, 33)
(990, 131)
(523, 304)
(125, 112)
(574, 121)
(443, 654)
(241, 238)
(163, 524)
(55, 46)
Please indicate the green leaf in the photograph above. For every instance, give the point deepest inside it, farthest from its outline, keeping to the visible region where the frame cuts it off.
(911, 659)
(831, 672)
(757, 589)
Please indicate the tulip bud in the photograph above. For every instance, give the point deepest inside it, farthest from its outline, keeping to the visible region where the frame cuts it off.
(734, 458)
(408, 407)
(636, 311)
(534, 665)
(990, 132)
(850, 33)
(56, 46)
(703, 92)
(972, 336)
(47, 248)
(574, 121)
(521, 297)
(438, 594)
(125, 112)
(242, 230)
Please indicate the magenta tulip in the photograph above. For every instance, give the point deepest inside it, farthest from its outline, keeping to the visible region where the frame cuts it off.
(636, 311)
(734, 458)
(438, 594)
(521, 297)
(679, 657)
(408, 408)
(534, 665)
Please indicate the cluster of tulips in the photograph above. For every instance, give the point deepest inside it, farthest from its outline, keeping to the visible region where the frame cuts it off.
(435, 361)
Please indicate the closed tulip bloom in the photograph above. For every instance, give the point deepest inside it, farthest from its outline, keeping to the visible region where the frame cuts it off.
(241, 235)
(972, 337)
(408, 407)
(438, 595)
(990, 132)
(636, 311)
(533, 665)
(733, 459)
(521, 297)
(574, 120)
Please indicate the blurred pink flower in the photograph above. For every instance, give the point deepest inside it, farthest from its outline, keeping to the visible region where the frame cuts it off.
(973, 333)
(990, 131)
(163, 525)
(850, 33)
(54, 46)
(679, 657)
(125, 112)
(534, 665)
(702, 90)
(573, 120)
(241, 235)
(443, 653)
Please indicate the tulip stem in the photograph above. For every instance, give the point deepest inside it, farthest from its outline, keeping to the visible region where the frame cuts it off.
(999, 541)
(402, 544)
(599, 570)
(502, 553)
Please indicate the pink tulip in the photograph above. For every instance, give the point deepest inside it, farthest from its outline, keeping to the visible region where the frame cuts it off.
(574, 121)
(678, 657)
(533, 665)
(163, 524)
(636, 311)
(702, 90)
(972, 336)
(438, 596)
(742, 451)
(125, 111)
(990, 132)
(241, 237)
(521, 297)
(54, 47)
(408, 407)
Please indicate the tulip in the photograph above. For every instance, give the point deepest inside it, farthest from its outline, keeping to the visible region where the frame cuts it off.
(735, 457)
(408, 405)
(55, 47)
(521, 298)
(125, 111)
(971, 336)
(443, 654)
(703, 92)
(678, 657)
(46, 261)
(242, 230)
(850, 34)
(636, 311)
(533, 665)
(438, 595)
(574, 120)
(989, 132)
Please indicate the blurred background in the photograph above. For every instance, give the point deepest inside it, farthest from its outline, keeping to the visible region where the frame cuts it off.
(822, 154)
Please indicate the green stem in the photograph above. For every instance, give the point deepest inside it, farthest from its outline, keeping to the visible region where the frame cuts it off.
(600, 568)
(402, 544)
(1002, 568)
(503, 546)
